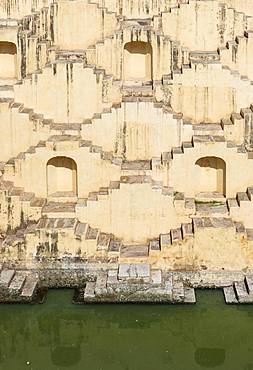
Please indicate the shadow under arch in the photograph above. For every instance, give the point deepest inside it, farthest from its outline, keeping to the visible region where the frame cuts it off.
(8, 60)
(137, 62)
(212, 174)
(61, 176)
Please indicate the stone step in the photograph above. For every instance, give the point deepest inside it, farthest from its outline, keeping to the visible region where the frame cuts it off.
(241, 292)
(168, 286)
(215, 222)
(176, 235)
(59, 209)
(17, 282)
(154, 247)
(199, 139)
(91, 233)
(6, 277)
(114, 247)
(178, 291)
(38, 202)
(66, 128)
(101, 282)
(89, 291)
(103, 241)
(249, 283)
(134, 251)
(242, 198)
(6, 92)
(211, 208)
(30, 286)
(232, 203)
(134, 272)
(208, 129)
(210, 197)
(156, 277)
(229, 295)
(189, 295)
(187, 230)
(112, 277)
(56, 224)
(63, 197)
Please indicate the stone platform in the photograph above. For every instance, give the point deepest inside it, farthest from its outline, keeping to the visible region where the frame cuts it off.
(133, 283)
(123, 283)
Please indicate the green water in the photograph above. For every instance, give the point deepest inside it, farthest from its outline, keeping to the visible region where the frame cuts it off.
(59, 335)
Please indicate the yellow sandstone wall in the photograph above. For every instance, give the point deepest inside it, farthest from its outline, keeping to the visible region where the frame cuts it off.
(114, 117)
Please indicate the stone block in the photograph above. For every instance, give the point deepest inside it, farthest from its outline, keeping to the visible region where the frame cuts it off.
(30, 285)
(134, 251)
(6, 277)
(241, 292)
(178, 292)
(189, 295)
(143, 270)
(156, 277)
(89, 291)
(101, 282)
(17, 282)
(229, 295)
(112, 277)
(124, 271)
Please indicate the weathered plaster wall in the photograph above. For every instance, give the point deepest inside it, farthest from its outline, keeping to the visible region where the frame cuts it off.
(86, 75)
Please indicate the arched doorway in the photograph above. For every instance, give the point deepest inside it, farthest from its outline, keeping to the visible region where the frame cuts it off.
(137, 61)
(61, 176)
(8, 60)
(211, 175)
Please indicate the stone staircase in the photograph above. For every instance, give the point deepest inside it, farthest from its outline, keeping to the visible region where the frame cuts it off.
(199, 140)
(107, 53)
(179, 235)
(68, 237)
(240, 291)
(18, 206)
(136, 283)
(146, 9)
(45, 237)
(12, 165)
(237, 12)
(240, 207)
(60, 61)
(19, 286)
(188, 229)
(63, 55)
(36, 31)
(104, 192)
(236, 54)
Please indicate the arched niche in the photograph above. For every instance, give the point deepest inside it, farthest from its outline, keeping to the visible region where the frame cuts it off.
(137, 61)
(211, 175)
(61, 176)
(8, 60)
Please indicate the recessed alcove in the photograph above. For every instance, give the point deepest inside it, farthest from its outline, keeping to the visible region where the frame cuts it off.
(137, 62)
(8, 60)
(61, 177)
(211, 174)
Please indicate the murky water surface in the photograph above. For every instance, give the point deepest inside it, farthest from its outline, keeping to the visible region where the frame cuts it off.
(59, 335)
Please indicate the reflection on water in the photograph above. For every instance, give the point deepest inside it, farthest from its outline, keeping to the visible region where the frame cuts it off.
(210, 357)
(59, 335)
(66, 356)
